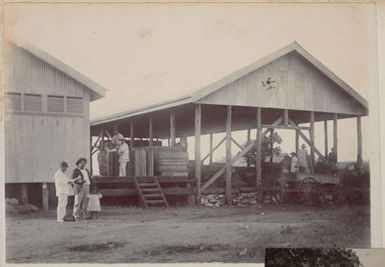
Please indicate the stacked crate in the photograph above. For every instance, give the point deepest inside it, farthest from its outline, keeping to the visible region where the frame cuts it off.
(171, 161)
(142, 162)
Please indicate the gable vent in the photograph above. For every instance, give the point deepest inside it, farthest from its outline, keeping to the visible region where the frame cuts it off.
(32, 102)
(74, 104)
(55, 103)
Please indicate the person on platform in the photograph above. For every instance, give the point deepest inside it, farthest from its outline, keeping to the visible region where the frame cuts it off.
(124, 156)
(116, 137)
(302, 159)
(81, 188)
(63, 190)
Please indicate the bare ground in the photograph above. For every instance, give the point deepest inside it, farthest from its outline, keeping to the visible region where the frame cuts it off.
(226, 234)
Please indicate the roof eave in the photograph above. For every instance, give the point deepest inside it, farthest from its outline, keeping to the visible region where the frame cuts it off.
(97, 91)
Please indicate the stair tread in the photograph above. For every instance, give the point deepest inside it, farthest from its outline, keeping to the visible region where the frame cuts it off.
(155, 201)
(147, 184)
(149, 189)
(152, 195)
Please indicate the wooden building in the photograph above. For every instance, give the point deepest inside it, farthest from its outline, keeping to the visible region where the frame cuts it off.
(46, 118)
(283, 90)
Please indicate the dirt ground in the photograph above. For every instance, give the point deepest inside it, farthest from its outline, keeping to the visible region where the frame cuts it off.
(187, 234)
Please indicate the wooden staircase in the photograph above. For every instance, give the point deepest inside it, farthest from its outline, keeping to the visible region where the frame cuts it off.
(151, 193)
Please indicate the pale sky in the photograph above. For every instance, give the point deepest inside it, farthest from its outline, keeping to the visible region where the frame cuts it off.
(145, 53)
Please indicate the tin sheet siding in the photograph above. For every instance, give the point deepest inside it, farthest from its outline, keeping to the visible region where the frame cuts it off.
(299, 85)
(35, 142)
(35, 76)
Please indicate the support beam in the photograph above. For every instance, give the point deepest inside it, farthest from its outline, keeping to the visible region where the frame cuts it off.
(150, 133)
(359, 144)
(296, 141)
(215, 148)
(312, 142)
(326, 138)
(286, 117)
(45, 195)
(258, 169)
(271, 139)
(198, 162)
(211, 149)
(335, 134)
(228, 156)
(91, 148)
(24, 194)
(248, 141)
(132, 135)
(172, 129)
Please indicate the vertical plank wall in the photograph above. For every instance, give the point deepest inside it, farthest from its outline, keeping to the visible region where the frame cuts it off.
(35, 142)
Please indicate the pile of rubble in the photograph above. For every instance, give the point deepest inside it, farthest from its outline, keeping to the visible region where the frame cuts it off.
(213, 200)
(245, 199)
(240, 200)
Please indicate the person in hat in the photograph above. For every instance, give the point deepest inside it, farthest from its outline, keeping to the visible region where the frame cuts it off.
(116, 137)
(81, 187)
(63, 190)
(124, 156)
(302, 159)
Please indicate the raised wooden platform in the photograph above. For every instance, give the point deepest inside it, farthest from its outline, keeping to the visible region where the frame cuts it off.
(125, 186)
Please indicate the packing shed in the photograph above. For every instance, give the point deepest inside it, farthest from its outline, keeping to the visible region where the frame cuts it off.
(284, 90)
(46, 120)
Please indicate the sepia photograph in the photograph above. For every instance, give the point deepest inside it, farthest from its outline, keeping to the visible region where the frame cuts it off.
(189, 132)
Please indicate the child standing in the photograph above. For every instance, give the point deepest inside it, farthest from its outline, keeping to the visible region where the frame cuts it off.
(93, 206)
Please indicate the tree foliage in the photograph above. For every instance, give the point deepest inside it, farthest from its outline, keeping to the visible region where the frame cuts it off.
(266, 144)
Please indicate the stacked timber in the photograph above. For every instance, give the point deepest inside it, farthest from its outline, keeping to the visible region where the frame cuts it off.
(171, 161)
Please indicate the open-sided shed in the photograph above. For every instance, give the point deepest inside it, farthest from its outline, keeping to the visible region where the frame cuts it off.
(283, 90)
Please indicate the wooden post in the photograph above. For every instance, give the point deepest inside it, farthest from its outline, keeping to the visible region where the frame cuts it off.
(271, 144)
(335, 134)
(359, 144)
(258, 170)
(228, 157)
(296, 142)
(286, 117)
(90, 154)
(211, 149)
(24, 194)
(131, 134)
(150, 133)
(198, 162)
(326, 138)
(248, 142)
(172, 129)
(312, 140)
(45, 195)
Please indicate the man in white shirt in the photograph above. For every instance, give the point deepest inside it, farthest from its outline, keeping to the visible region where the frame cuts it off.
(63, 190)
(81, 187)
(124, 156)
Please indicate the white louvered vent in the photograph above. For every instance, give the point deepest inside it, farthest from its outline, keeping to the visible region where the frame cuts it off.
(74, 104)
(32, 102)
(13, 101)
(55, 103)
